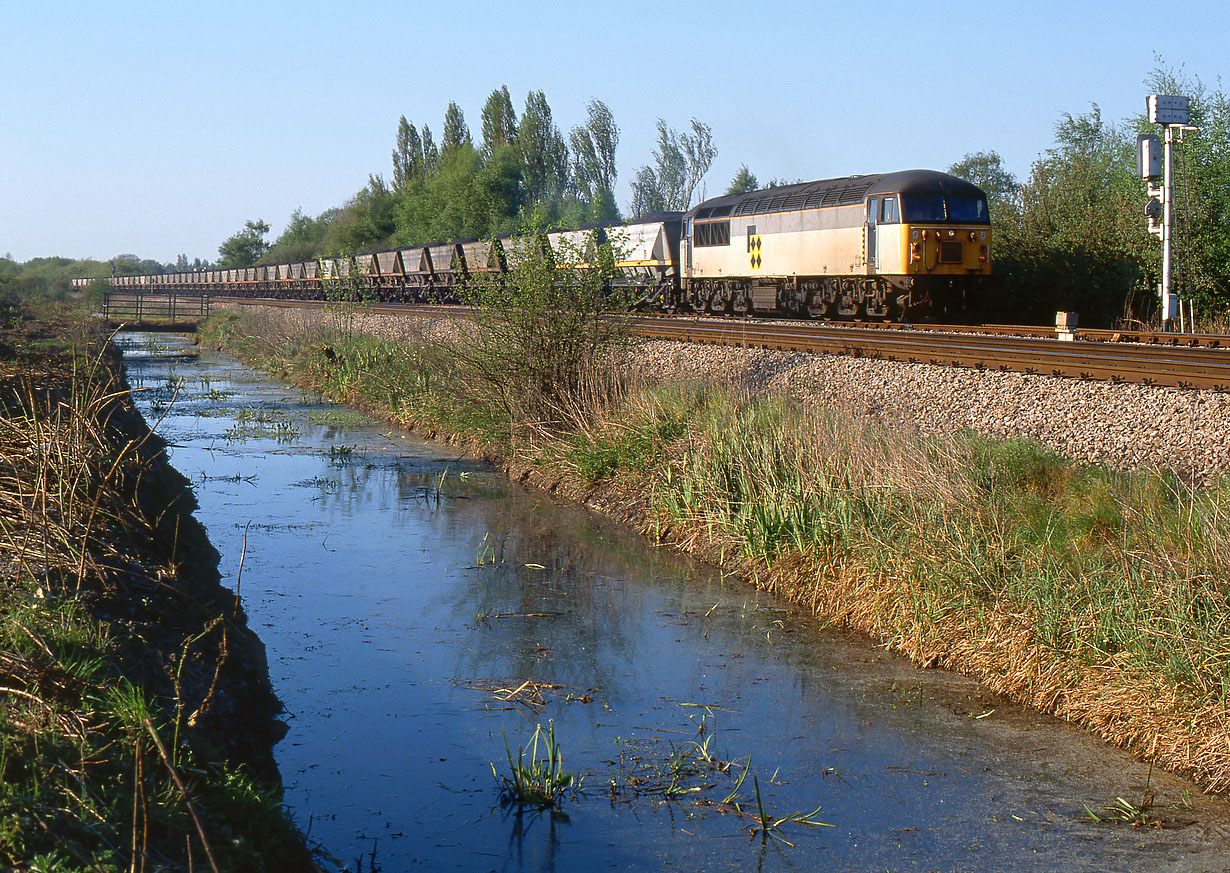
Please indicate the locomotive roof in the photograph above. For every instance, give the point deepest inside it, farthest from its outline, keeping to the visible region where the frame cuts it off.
(845, 191)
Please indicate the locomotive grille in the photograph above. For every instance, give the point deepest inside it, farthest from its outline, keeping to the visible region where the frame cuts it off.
(950, 253)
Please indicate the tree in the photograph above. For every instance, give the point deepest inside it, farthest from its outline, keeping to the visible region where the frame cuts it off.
(680, 162)
(407, 156)
(456, 133)
(1083, 190)
(647, 196)
(303, 239)
(987, 171)
(744, 181)
(593, 150)
(244, 248)
(367, 221)
(544, 156)
(1071, 237)
(699, 153)
(499, 121)
(431, 156)
(465, 197)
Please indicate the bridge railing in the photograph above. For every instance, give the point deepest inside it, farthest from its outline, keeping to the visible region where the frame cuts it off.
(135, 307)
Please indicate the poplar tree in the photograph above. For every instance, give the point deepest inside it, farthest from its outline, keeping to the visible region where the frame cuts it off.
(455, 134)
(407, 157)
(499, 121)
(593, 149)
(680, 162)
(544, 156)
(431, 155)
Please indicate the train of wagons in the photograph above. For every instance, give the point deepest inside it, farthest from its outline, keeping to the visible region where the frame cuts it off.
(908, 245)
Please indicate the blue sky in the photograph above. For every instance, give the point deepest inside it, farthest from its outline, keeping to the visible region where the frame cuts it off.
(160, 128)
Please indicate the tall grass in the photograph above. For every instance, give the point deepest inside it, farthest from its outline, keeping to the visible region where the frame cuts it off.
(87, 589)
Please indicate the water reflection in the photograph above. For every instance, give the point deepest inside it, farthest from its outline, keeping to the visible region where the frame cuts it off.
(403, 592)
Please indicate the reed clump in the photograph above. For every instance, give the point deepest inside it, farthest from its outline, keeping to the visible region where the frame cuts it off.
(1096, 595)
(124, 739)
(540, 780)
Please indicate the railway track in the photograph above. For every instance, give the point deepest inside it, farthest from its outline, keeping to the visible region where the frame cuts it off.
(1173, 360)
(1118, 335)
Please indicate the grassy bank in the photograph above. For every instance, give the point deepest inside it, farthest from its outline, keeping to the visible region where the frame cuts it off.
(1099, 596)
(136, 720)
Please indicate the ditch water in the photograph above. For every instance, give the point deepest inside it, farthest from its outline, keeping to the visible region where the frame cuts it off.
(420, 612)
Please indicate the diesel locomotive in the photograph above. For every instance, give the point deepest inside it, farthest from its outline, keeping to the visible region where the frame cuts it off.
(907, 245)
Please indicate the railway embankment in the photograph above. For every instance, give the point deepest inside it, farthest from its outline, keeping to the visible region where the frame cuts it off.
(1067, 544)
(136, 715)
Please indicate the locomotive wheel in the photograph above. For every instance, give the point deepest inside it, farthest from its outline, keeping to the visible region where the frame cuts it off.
(741, 299)
(817, 306)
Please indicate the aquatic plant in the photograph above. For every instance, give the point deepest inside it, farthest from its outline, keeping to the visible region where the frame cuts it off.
(538, 781)
(341, 455)
(768, 825)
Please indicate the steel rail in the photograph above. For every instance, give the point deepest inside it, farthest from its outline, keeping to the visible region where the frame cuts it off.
(1119, 362)
(1138, 364)
(1105, 335)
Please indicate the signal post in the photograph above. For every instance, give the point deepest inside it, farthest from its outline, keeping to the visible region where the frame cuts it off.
(1155, 162)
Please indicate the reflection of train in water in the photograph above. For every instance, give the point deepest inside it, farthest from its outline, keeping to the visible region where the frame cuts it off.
(899, 245)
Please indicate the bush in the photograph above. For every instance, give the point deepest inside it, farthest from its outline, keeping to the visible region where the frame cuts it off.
(539, 333)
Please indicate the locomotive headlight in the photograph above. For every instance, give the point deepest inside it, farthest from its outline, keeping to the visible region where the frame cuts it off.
(984, 254)
(971, 236)
(951, 234)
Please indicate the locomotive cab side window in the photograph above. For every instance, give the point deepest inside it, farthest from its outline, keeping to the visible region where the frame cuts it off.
(711, 233)
(888, 211)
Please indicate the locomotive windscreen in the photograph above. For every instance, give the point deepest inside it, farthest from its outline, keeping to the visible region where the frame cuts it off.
(967, 209)
(937, 207)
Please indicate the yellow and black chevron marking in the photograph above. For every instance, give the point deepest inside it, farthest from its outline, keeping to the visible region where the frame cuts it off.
(753, 249)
